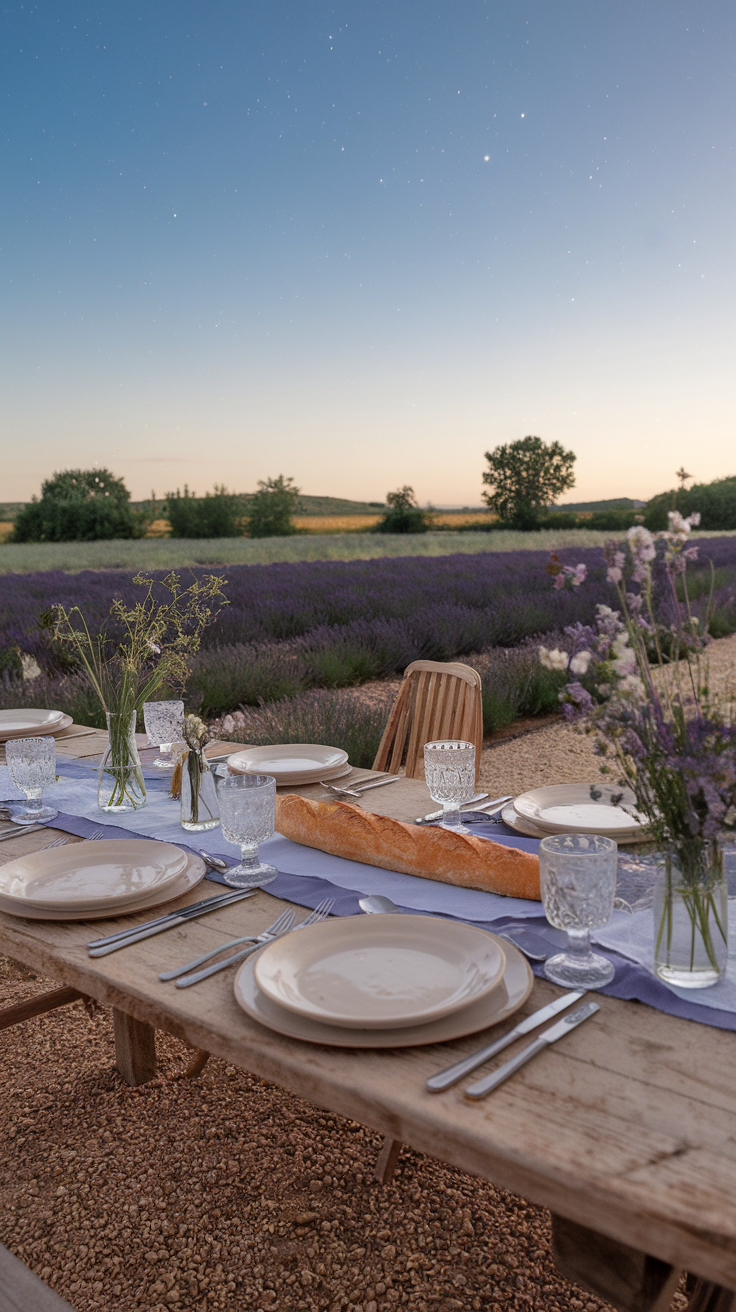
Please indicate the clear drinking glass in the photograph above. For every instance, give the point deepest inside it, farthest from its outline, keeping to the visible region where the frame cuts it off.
(32, 767)
(577, 873)
(248, 816)
(449, 771)
(164, 723)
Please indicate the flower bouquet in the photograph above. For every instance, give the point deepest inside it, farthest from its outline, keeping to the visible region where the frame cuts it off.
(641, 683)
(140, 650)
(199, 807)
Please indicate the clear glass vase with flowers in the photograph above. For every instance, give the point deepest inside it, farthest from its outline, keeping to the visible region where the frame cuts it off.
(641, 684)
(137, 652)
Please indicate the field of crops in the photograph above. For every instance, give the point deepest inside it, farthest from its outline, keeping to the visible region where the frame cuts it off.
(292, 627)
(171, 553)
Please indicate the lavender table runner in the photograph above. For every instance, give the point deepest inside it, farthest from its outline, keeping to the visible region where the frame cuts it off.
(632, 980)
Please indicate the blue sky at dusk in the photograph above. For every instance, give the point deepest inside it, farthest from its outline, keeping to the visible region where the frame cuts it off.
(362, 243)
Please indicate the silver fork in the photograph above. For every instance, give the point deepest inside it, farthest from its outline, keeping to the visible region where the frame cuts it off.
(320, 912)
(61, 842)
(281, 923)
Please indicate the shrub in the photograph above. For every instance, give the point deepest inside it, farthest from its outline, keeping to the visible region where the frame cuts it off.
(404, 514)
(217, 514)
(225, 677)
(335, 717)
(715, 502)
(79, 506)
(270, 510)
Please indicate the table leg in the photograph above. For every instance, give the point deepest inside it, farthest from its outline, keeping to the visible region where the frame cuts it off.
(197, 1064)
(632, 1281)
(387, 1159)
(707, 1297)
(37, 1006)
(135, 1048)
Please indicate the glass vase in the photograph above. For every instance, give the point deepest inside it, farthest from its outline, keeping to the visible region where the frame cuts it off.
(120, 785)
(199, 805)
(691, 916)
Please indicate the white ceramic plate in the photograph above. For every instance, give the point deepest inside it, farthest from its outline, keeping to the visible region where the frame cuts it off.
(192, 874)
(569, 809)
(91, 876)
(290, 763)
(512, 993)
(380, 972)
(31, 723)
(521, 825)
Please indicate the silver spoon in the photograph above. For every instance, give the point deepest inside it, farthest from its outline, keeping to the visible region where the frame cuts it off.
(216, 862)
(376, 905)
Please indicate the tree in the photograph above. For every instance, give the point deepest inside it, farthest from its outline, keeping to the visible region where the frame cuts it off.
(217, 514)
(79, 505)
(271, 508)
(525, 477)
(403, 514)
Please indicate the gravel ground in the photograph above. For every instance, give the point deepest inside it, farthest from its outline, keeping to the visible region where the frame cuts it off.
(226, 1192)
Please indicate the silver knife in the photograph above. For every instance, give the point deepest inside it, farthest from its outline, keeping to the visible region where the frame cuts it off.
(21, 829)
(555, 1032)
(148, 931)
(437, 815)
(445, 1079)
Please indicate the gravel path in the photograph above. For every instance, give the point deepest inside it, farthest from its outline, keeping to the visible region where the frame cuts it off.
(226, 1192)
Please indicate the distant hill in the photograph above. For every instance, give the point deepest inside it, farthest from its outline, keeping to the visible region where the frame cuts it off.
(312, 505)
(618, 503)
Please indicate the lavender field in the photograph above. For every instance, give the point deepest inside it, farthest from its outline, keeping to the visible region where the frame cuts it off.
(292, 627)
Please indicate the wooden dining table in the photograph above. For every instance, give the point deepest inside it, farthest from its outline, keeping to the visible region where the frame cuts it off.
(626, 1131)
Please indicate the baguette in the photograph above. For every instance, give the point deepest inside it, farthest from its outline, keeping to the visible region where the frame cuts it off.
(462, 859)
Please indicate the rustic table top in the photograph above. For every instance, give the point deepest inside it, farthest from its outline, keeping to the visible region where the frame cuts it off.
(626, 1127)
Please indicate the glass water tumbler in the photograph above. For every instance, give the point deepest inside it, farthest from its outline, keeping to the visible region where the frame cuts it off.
(32, 767)
(577, 874)
(449, 771)
(164, 723)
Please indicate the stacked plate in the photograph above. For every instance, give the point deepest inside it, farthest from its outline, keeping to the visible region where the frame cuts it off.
(383, 981)
(577, 809)
(91, 881)
(291, 764)
(31, 723)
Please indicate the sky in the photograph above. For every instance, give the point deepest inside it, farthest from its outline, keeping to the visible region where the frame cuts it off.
(360, 244)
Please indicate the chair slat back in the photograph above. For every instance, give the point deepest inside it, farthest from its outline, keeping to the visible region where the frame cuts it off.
(435, 700)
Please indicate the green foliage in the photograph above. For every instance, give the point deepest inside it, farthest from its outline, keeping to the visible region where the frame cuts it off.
(217, 514)
(270, 510)
(223, 678)
(404, 514)
(79, 505)
(147, 646)
(524, 477)
(715, 502)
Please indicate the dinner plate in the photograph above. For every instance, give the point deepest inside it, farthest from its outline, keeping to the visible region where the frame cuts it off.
(91, 876)
(512, 993)
(569, 808)
(291, 763)
(31, 723)
(521, 825)
(192, 874)
(380, 972)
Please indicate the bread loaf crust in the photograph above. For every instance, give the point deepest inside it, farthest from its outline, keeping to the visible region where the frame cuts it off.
(462, 859)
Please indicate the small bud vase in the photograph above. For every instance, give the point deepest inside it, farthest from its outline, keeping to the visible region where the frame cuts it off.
(199, 806)
(120, 785)
(691, 916)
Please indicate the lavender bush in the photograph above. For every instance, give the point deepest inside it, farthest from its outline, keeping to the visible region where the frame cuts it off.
(319, 716)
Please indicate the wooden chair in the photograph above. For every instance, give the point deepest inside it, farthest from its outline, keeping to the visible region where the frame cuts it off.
(436, 700)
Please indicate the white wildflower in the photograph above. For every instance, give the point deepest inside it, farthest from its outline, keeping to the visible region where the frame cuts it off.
(554, 659)
(580, 662)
